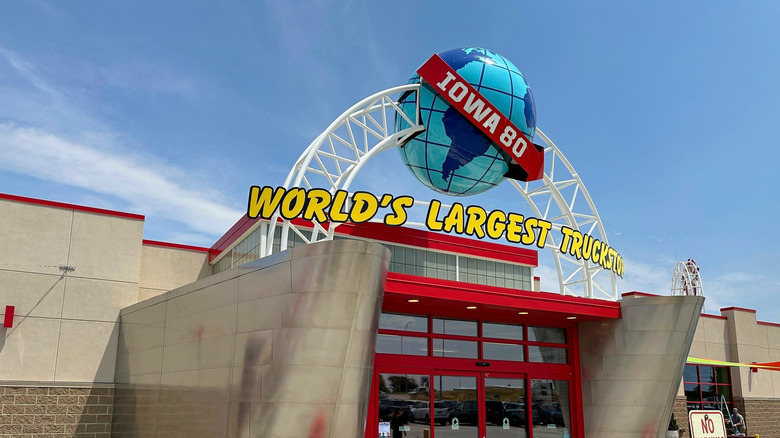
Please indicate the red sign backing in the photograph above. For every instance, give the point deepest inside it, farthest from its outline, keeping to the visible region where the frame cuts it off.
(482, 114)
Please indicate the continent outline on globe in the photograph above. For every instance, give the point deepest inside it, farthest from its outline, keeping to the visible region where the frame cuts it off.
(452, 156)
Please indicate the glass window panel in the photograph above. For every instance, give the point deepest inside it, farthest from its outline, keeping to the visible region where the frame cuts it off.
(722, 375)
(410, 323)
(692, 392)
(505, 408)
(491, 350)
(397, 395)
(459, 394)
(453, 348)
(547, 334)
(547, 354)
(707, 374)
(724, 390)
(690, 373)
(454, 327)
(551, 408)
(502, 331)
(708, 392)
(390, 344)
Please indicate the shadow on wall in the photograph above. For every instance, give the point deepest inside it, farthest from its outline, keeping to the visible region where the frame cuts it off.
(56, 410)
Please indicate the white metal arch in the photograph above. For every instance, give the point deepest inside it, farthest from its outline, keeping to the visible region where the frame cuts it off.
(336, 156)
(686, 279)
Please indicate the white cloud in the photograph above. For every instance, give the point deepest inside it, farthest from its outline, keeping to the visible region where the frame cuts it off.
(147, 182)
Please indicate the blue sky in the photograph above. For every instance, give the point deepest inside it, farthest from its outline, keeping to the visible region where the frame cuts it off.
(174, 109)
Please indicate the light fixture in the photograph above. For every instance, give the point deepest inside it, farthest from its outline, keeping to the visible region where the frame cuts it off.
(471, 307)
(571, 317)
(412, 301)
(522, 313)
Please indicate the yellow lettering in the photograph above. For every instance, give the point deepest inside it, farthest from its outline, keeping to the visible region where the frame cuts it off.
(544, 228)
(566, 241)
(596, 251)
(318, 200)
(476, 221)
(576, 245)
(454, 219)
(263, 202)
(364, 207)
(293, 203)
(530, 235)
(587, 246)
(496, 224)
(514, 227)
(399, 206)
(432, 220)
(337, 209)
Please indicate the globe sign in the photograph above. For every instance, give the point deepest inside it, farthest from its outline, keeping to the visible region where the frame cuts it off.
(452, 156)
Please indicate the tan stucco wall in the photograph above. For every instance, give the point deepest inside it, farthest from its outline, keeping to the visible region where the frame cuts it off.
(65, 325)
(164, 269)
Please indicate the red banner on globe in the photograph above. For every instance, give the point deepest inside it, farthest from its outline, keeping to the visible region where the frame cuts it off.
(483, 114)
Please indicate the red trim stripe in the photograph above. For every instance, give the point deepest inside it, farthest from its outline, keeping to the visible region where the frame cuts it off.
(65, 206)
(174, 245)
(741, 309)
(403, 236)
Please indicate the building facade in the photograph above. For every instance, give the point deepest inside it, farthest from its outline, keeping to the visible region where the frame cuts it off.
(112, 334)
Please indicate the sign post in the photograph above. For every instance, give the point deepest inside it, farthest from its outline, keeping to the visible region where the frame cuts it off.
(707, 424)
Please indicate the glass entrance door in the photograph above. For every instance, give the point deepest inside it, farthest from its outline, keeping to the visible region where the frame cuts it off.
(430, 404)
(505, 407)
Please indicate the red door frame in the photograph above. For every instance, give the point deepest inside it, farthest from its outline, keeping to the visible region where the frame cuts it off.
(427, 365)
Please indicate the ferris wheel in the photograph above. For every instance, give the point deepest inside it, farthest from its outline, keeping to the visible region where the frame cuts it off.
(686, 279)
(337, 155)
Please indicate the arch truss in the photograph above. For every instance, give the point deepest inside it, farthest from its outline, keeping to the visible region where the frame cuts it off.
(686, 279)
(337, 155)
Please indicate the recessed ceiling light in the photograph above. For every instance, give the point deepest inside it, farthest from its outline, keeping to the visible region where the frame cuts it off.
(471, 307)
(571, 317)
(522, 313)
(412, 301)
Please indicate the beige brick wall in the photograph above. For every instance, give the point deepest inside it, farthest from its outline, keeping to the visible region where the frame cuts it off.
(44, 412)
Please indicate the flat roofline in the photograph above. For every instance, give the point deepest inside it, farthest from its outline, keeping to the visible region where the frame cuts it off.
(174, 245)
(65, 206)
(401, 236)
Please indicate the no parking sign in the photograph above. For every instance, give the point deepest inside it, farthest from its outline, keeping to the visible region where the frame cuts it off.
(707, 424)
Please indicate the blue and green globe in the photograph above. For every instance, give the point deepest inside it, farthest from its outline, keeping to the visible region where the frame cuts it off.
(452, 156)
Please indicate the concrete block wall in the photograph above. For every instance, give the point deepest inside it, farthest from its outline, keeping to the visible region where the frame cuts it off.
(47, 412)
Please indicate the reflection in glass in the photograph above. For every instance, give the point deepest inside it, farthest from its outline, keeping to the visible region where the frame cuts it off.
(551, 410)
(397, 393)
(453, 348)
(505, 408)
(459, 395)
(707, 374)
(409, 323)
(410, 345)
(502, 331)
(546, 354)
(493, 350)
(690, 374)
(547, 334)
(454, 327)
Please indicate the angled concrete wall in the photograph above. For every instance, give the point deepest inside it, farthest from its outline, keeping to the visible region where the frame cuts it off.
(280, 347)
(631, 367)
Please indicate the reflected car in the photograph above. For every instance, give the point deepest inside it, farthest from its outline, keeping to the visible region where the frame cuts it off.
(468, 412)
(421, 411)
(516, 414)
(548, 413)
(388, 405)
